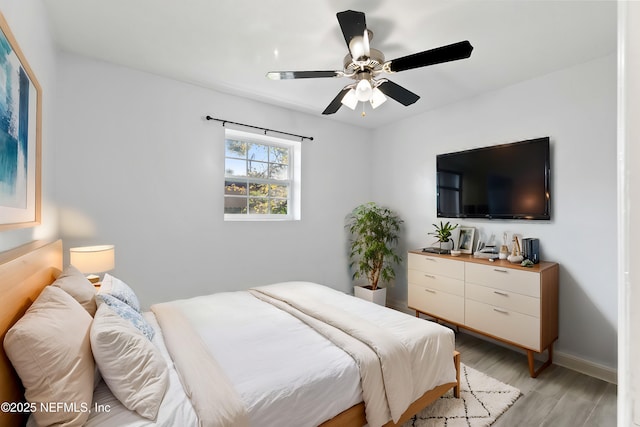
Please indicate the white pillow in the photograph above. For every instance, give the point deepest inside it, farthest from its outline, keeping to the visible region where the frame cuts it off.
(118, 289)
(130, 364)
(50, 350)
(75, 284)
(128, 313)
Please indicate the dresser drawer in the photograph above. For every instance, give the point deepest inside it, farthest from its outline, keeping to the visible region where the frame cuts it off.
(437, 265)
(508, 325)
(437, 282)
(442, 305)
(507, 279)
(504, 299)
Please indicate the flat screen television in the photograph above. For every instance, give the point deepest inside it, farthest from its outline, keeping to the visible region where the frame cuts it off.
(508, 181)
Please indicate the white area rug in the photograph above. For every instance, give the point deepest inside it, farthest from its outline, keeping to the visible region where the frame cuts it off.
(482, 400)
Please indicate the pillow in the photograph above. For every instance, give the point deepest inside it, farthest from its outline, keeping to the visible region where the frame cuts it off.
(131, 366)
(50, 350)
(75, 284)
(126, 312)
(118, 289)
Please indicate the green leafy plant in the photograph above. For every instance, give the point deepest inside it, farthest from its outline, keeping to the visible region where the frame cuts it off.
(443, 232)
(374, 234)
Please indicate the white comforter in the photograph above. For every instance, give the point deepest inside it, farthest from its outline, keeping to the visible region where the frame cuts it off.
(280, 367)
(390, 348)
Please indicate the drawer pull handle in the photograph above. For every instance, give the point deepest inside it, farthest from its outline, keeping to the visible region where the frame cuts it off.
(501, 311)
(429, 276)
(430, 290)
(430, 259)
(504, 294)
(499, 270)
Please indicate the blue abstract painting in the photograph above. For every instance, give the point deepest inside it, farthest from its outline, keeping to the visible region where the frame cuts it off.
(15, 88)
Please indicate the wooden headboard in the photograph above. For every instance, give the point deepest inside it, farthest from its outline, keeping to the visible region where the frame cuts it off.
(24, 272)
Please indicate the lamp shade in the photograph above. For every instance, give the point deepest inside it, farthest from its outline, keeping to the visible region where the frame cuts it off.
(93, 259)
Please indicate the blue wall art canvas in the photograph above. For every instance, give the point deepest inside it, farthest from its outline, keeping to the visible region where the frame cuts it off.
(19, 136)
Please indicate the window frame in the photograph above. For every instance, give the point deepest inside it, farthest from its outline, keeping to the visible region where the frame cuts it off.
(294, 179)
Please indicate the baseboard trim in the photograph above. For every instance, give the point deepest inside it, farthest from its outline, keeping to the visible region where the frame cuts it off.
(565, 360)
(586, 367)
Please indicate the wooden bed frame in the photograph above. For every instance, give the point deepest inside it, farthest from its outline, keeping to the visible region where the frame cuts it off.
(28, 269)
(24, 272)
(355, 415)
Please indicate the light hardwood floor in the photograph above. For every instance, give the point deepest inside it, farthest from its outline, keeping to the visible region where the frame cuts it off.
(558, 397)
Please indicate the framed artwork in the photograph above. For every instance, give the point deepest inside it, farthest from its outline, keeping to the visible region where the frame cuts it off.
(465, 239)
(20, 136)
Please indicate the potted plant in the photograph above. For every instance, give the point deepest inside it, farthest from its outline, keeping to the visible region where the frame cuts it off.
(443, 235)
(374, 234)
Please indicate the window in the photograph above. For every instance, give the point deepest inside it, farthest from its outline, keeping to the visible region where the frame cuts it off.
(261, 177)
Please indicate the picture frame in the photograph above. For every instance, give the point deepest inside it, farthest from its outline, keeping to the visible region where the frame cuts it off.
(465, 239)
(20, 137)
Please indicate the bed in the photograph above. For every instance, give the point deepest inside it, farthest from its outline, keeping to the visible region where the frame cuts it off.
(275, 357)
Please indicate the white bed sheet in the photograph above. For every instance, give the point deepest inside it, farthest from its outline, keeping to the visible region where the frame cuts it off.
(176, 408)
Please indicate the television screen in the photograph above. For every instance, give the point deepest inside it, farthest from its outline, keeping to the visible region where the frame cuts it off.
(509, 181)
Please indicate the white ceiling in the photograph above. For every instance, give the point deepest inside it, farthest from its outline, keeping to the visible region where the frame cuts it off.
(229, 45)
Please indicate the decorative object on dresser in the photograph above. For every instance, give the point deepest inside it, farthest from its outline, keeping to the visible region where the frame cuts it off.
(93, 259)
(531, 249)
(516, 254)
(374, 234)
(465, 239)
(21, 133)
(504, 301)
(443, 235)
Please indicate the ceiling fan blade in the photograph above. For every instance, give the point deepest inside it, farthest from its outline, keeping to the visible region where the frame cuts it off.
(397, 92)
(353, 24)
(286, 75)
(452, 52)
(337, 102)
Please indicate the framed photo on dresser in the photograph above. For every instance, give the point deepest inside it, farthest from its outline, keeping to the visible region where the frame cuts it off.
(465, 239)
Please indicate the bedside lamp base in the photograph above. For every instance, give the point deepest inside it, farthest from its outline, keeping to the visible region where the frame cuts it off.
(93, 278)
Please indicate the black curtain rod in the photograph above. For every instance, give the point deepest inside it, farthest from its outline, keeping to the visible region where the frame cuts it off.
(224, 122)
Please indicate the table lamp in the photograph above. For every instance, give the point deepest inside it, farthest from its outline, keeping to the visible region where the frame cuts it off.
(93, 259)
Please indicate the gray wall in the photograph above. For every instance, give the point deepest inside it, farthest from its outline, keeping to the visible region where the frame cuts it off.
(576, 108)
(139, 167)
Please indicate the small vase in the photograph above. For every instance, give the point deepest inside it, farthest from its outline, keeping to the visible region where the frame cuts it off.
(445, 250)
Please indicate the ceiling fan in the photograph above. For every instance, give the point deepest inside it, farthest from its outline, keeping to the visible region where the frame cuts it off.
(365, 65)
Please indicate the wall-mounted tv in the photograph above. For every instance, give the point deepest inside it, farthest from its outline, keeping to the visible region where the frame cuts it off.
(508, 181)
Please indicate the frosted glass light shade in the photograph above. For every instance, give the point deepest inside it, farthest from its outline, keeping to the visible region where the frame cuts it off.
(350, 99)
(377, 98)
(363, 90)
(93, 259)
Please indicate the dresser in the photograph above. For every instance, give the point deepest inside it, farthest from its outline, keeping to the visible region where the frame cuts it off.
(507, 302)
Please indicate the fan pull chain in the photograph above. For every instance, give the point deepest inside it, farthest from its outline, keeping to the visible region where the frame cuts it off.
(363, 112)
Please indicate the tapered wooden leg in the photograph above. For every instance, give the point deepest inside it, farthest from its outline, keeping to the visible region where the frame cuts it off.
(456, 363)
(549, 361)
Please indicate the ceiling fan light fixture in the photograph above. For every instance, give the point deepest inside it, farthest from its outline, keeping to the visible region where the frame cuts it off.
(350, 99)
(377, 98)
(364, 90)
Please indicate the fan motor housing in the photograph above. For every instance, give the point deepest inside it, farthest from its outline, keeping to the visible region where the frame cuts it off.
(376, 59)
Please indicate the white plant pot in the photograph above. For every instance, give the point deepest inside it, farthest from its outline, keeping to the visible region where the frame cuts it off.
(379, 296)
